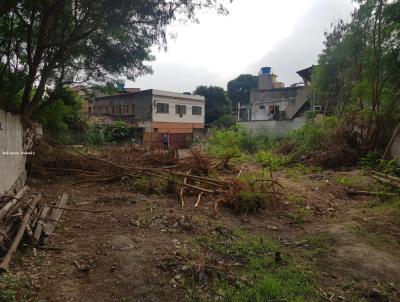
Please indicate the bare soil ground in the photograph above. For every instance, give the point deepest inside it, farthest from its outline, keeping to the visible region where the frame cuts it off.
(140, 250)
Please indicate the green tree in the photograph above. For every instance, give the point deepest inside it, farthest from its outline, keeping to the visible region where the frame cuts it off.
(239, 88)
(217, 103)
(64, 112)
(359, 70)
(54, 43)
(226, 121)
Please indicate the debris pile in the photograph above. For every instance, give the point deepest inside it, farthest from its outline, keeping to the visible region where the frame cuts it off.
(28, 216)
(196, 175)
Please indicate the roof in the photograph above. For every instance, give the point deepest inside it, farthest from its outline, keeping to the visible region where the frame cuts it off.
(159, 93)
(306, 73)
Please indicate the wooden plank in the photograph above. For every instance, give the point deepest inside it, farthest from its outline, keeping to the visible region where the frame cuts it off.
(55, 217)
(17, 239)
(11, 203)
(39, 227)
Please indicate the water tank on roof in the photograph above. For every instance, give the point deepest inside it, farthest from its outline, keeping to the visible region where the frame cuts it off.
(265, 70)
(121, 86)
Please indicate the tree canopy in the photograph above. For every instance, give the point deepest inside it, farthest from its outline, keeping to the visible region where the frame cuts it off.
(359, 69)
(46, 44)
(239, 88)
(217, 103)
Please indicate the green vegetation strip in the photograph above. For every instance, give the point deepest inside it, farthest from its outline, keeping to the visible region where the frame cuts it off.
(265, 272)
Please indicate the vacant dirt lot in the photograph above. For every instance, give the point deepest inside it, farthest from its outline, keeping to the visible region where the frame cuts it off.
(149, 249)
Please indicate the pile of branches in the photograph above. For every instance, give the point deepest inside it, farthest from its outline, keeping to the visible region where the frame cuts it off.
(26, 217)
(190, 174)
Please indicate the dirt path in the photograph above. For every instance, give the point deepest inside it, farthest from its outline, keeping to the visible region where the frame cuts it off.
(124, 255)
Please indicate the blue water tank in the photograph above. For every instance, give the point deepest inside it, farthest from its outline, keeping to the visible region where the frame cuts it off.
(121, 86)
(265, 70)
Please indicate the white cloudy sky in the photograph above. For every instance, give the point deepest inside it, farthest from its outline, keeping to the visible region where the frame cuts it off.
(284, 34)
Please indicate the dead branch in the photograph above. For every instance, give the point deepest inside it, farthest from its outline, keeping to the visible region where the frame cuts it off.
(17, 239)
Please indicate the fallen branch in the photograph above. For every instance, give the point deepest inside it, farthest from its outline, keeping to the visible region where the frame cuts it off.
(386, 181)
(181, 190)
(198, 199)
(81, 210)
(17, 239)
(11, 203)
(369, 193)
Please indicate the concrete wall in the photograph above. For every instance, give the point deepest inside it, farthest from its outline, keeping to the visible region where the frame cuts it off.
(142, 101)
(289, 99)
(12, 158)
(275, 128)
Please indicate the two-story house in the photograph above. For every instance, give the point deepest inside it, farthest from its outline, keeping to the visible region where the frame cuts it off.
(155, 113)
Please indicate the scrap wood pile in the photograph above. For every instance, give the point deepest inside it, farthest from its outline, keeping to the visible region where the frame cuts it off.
(26, 217)
(191, 175)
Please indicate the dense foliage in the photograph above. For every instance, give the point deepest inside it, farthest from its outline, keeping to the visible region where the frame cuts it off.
(359, 71)
(47, 44)
(64, 112)
(217, 103)
(239, 88)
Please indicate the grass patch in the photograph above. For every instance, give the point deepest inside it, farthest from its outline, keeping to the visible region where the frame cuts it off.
(152, 185)
(319, 244)
(296, 171)
(349, 181)
(266, 273)
(301, 215)
(296, 199)
(15, 288)
(249, 202)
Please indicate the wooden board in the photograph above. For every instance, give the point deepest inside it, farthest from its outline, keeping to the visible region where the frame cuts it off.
(55, 217)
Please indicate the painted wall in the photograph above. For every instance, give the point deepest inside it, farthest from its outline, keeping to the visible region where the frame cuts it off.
(275, 128)
(172, 116)
(12, 159)
(146, 106)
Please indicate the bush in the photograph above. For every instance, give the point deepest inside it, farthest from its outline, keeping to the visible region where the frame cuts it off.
(237, 140)
(267, 158)
(117, 132)
(94, 135)
(248, 202)
(312, 136)
(226, 121)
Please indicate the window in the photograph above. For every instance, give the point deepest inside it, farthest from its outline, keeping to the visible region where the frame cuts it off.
(125, 109)
(262, 107)
(162, 108)
(133, 109)
(116, 110)
(180, 109)
(196, 110)
(271, 109)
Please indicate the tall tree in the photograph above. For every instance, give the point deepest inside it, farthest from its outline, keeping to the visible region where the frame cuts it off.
(359, 69)
(57, 42)
(217, 103)
(239, 88)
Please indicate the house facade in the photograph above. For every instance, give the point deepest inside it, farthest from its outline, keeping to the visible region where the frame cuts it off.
(156, 113)
(276, 108)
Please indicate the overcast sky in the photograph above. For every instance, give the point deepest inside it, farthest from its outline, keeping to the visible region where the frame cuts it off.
(284, 34)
